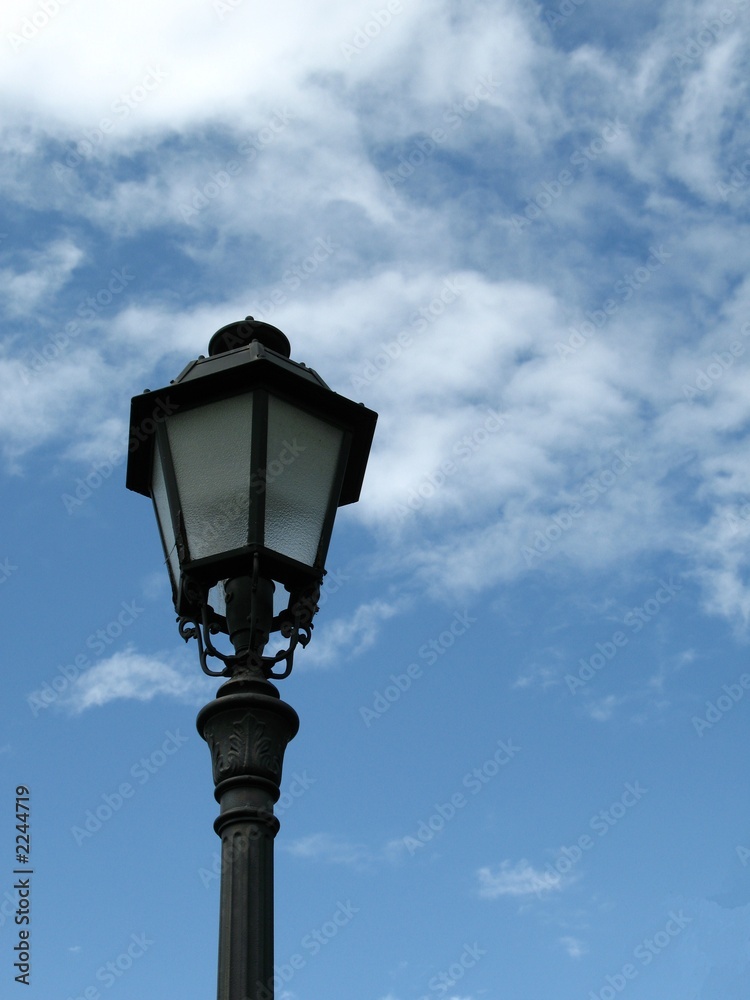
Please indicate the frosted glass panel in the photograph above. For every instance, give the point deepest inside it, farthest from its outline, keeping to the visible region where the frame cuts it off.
(303, 457)
(211, 453)
(159, 493)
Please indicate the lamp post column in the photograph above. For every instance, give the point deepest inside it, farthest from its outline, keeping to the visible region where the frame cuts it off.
(247, 728)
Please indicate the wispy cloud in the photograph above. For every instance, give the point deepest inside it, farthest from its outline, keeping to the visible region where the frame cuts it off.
(541, 674)
(602, 709)
(128, 675)
(332, 849)
(521, 296)
(574, 947)
(342, 638)
(520, 880)
(39, 277)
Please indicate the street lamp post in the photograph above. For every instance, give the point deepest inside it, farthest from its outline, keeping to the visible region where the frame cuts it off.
(247, 455)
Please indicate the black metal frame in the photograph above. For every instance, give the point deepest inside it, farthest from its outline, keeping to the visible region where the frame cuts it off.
(265, 373)
(293, 623)
(247, 727)
(209, 570)
(239, 371)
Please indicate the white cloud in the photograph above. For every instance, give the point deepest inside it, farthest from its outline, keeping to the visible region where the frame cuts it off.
(519, 880)
(42, 274)
(209, 61)
(574, 947)
(331, 849)
(341, 123)
(337, 640)
(602, 709)
(135, 676)
(541, 674)
(38, 407)
(699, 119)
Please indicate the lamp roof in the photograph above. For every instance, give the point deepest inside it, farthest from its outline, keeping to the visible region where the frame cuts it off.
(259, 361)
(244, 332)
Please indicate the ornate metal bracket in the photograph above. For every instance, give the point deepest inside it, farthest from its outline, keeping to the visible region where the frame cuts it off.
(202, 631)
(294, 624)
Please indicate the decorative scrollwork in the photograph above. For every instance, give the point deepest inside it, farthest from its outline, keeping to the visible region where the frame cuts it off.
(294, 624)
(190, 629)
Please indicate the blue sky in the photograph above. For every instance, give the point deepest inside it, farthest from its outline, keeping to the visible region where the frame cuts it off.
(519, 232)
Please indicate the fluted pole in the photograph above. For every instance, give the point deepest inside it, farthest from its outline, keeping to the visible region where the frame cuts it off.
(247, 728)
